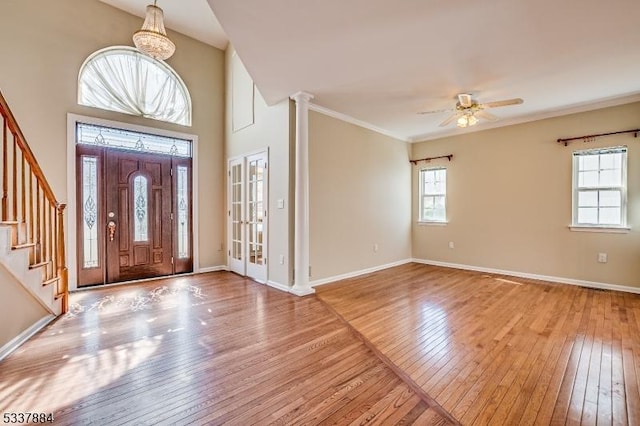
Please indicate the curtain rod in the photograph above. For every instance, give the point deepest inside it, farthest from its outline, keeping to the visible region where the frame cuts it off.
(450, 156)
(591, 138)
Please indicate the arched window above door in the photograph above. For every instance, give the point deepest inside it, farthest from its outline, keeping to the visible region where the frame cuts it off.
(124, 80)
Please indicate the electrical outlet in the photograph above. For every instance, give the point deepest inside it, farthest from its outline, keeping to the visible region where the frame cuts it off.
(451, 245)
(375, 247)
(282, 259)
(602, 257)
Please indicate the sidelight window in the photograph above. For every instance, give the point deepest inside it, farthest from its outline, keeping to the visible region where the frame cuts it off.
(90, 211)
(183, 212)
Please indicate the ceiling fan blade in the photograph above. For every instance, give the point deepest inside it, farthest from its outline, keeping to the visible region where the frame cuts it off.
(436, 111)
(449, 120)
(485, 115)
(516, 101)
(465, 100)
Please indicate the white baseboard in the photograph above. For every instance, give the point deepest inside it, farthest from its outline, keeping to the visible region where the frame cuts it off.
(15, 343)
(278, 286)
(335, 278)
(213, 269)
(562, 280)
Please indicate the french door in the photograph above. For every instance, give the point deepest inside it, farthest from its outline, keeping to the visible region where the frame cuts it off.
(134, 213)
(247, 212)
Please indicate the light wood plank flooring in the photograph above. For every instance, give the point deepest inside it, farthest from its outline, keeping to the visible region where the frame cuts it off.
(502, 350)
(209, 349)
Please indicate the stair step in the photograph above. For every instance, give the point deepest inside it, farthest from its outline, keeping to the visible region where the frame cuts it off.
(21, 246)
(50, 281)
(39, 265)
(9, 222)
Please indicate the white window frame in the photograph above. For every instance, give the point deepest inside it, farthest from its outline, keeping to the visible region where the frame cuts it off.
(423, 194)
(133, 87)
(597, 227)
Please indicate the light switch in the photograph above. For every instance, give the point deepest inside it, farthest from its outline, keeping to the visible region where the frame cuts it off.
(280, 203)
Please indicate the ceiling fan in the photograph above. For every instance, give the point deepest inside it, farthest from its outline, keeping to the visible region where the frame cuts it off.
(468, 111)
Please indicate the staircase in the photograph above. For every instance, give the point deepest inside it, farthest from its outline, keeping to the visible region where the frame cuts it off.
(31, 221)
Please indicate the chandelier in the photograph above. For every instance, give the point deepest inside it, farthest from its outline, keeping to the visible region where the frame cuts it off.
(152, 38)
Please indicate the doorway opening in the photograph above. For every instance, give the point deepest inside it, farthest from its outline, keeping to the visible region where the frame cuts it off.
(134, 206)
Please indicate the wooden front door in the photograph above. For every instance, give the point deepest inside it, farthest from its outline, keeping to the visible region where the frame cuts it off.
(141, 221)
(138, 206)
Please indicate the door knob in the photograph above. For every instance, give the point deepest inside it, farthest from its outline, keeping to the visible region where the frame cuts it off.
(112, 229)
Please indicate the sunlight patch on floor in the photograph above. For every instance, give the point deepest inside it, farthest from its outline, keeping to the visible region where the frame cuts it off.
(77, 377)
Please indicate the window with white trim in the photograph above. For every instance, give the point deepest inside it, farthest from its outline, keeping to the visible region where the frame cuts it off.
(600, 187)
(122, 79)
(433, 195)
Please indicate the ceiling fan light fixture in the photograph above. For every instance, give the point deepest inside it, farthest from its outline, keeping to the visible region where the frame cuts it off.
(152, 38)
(467, 120)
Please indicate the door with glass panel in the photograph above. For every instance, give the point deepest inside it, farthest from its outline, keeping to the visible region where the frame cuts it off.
(247, 212)
(236, 217)
(139, 209)
(134, 214)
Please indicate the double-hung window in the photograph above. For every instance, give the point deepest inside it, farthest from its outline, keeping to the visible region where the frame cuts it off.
(600, 188)
(433, 195)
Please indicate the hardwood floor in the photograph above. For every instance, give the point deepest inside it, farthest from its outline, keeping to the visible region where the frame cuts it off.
(501, 350)
(209, 349)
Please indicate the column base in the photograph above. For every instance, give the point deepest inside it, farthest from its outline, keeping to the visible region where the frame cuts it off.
(302, 291)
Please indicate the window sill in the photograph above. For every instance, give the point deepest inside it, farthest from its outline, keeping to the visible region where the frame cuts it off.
(607, 229)
(432, 223)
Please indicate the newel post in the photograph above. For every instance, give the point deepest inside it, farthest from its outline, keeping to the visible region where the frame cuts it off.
(62, 261)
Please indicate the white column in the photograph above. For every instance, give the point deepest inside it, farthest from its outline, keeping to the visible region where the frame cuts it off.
(301, 285)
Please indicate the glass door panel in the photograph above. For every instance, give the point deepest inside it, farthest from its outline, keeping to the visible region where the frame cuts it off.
(247, 216)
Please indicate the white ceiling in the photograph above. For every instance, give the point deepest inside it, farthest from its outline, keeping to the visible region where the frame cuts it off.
(190, 17)
(381, 61)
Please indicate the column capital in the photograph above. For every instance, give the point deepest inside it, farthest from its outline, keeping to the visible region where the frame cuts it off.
(301, 97)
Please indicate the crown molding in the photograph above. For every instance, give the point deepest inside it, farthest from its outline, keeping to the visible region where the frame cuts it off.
(355, 121)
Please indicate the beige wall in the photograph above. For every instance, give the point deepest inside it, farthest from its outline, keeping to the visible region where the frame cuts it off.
(509, 200)
(359, 183)
(42, 46)
(271, 131)
(19, 309)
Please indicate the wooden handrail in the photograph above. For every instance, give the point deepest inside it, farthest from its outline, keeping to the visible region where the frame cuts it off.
(26, 151)
(28, 203)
